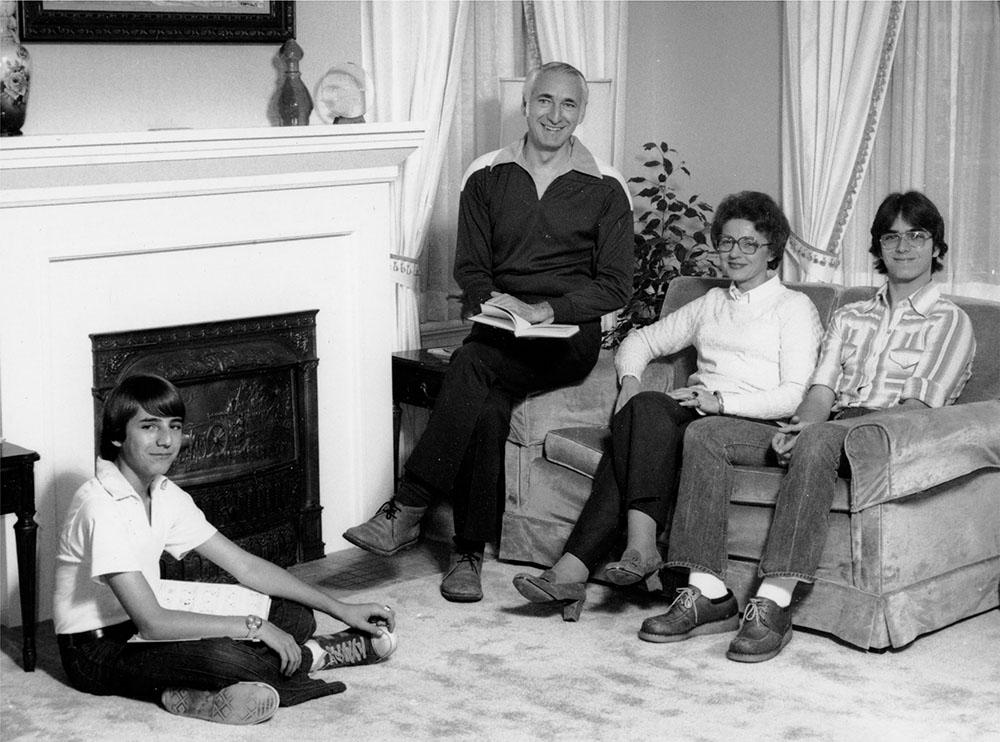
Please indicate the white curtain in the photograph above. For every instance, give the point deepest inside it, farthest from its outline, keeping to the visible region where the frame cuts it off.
(494, 49)
(938, 135)
(591, 35)
(837, 57)
(413, 52)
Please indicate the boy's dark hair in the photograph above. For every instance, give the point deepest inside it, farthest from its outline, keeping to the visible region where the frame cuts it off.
(154, 394)
(920, 213)
(760, 210)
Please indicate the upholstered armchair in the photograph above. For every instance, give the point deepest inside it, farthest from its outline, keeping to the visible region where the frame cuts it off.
(914, 539)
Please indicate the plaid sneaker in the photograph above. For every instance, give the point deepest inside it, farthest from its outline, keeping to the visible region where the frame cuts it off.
(354, 647)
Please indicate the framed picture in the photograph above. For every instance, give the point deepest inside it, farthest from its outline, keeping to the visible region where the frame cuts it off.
(188, 21)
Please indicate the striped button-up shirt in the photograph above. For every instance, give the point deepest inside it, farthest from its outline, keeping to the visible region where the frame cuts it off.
(875, 355)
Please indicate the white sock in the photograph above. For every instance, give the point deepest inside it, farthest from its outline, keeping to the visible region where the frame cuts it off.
(710, 585)
(319, 656)
(778, 589)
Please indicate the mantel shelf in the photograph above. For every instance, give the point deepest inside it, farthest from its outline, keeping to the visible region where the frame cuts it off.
(58, 162)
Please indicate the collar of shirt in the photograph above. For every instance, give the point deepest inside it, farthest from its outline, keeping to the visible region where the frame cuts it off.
(769, 288)
(580, 158)
(921, 301)
(116, 485)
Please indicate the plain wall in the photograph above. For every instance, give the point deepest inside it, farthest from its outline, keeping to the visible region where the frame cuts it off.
(705, 77)
(96, 87)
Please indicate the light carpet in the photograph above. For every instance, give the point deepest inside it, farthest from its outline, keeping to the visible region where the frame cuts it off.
(503, 669)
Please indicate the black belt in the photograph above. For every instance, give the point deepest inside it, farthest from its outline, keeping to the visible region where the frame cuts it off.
(119, 632)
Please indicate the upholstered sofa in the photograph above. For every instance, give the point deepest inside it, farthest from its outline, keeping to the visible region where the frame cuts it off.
(914, 539)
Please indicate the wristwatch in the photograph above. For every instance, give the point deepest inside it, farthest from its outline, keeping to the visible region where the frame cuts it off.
(253, 626)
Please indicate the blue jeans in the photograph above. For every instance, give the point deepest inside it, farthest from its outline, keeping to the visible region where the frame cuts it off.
(140, 670)
(795, 541)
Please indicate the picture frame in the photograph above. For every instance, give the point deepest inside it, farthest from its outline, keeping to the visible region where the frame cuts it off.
(184, 21)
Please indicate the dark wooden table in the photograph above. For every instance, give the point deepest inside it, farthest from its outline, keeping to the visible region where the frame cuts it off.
(416, 380)
(17, 495)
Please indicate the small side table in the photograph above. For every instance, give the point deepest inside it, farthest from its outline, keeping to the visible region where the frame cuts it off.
(416, 380)
(17, 495)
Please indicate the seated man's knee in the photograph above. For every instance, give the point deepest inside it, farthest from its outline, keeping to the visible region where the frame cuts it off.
(820, 439)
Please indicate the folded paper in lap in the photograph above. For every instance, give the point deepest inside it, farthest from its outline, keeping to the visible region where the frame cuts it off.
(216, 599)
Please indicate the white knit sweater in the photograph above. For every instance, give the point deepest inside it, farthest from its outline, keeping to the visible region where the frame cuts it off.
(757, 348)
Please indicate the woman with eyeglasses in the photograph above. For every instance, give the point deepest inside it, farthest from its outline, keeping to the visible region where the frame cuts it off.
(757, 343)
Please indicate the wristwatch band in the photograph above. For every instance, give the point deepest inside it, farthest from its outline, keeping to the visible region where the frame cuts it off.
(722, 404)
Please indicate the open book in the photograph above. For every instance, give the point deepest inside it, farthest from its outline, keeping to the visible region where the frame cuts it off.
(491, 314)
(217, 599)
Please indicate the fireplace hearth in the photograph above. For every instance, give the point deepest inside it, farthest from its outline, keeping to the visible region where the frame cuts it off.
(250, 459)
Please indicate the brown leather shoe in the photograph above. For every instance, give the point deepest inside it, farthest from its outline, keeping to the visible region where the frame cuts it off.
(766, 629)
(394, 527)
(692, 614)
(463, 583)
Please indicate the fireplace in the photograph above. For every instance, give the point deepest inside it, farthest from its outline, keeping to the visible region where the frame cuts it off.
(250, 456)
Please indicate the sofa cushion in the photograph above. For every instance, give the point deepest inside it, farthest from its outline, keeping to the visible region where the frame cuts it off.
(985, 381)
(579, 449)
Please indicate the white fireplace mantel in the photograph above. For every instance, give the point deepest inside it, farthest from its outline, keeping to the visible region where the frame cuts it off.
(113, 232)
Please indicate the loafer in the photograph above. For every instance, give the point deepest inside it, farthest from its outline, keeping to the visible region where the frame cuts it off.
(545, 589)
(692, 614)
(394, 527)
(462, 582)
(633, 568)
(240, 703)
(766, 629)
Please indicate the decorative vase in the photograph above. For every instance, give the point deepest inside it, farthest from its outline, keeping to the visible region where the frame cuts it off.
(294, 103)
(16, 74)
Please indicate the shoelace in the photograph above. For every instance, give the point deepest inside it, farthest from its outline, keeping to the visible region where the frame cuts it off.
(752, 612)
(468, 556)
(390, 508)
(685, 596)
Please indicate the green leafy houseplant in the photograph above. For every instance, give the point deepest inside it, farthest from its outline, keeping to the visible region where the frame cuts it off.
(671, 239)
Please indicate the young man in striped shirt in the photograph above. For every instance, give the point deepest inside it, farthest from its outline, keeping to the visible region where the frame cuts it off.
(905, 347)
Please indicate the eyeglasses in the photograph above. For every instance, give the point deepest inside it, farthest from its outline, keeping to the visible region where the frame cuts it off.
(913, 238)
(748, 245)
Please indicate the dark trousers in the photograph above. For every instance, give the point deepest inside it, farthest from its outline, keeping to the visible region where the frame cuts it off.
(142, 670)
(461, 452)
(638, 472)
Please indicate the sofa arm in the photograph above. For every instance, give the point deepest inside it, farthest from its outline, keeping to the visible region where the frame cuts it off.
(590, 402)
(899, 453)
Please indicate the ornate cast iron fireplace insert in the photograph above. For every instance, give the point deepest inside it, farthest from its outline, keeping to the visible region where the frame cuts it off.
(251, 455)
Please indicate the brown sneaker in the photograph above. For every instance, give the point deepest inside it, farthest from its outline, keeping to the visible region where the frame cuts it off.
(766, 629)
(463, 583)
(394, 527)
(692, 614)
(240, 703)
(354, 647)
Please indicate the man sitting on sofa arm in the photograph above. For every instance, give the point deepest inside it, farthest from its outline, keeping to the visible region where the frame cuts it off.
(905, 347)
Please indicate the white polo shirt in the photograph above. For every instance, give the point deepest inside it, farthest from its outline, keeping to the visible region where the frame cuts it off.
(106, 531)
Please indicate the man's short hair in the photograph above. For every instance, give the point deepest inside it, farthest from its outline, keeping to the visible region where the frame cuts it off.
(920, 213)
(760, 210)
(148, 392)
(529, 81)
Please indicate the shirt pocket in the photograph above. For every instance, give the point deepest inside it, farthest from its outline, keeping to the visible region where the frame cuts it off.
(905, 358)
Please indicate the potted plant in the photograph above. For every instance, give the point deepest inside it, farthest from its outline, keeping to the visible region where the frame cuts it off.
(671, 239)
